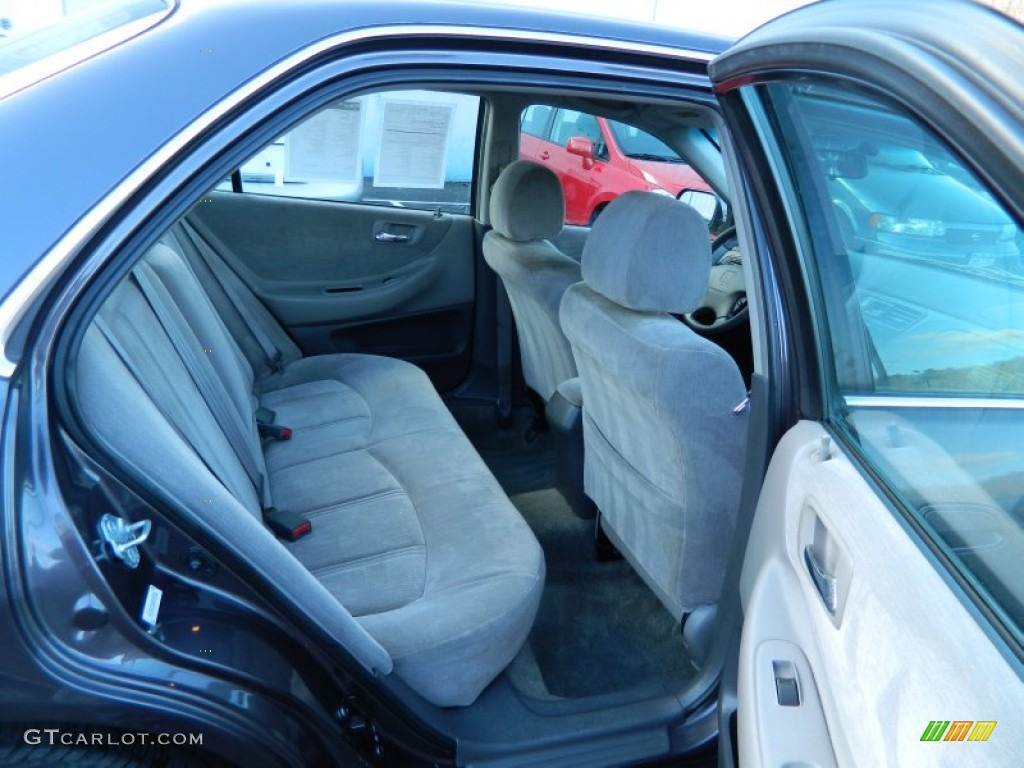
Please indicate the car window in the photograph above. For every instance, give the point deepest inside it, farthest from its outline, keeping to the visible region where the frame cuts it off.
(408, 149)
(641, 145)
(534, 121)
(916, 271)
(629, 159)
(569, 123)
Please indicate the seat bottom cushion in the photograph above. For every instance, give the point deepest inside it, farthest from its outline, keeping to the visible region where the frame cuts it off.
(411, 532)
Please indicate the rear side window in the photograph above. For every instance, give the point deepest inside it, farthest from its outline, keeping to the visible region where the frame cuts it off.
(406, 149)
(917, 271)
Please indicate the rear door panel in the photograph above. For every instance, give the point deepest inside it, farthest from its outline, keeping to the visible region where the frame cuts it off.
(901, 651)
(349, 277)
(880, 623)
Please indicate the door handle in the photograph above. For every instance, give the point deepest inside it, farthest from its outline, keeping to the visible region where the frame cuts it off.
(545, 155)
(823, 581)
(390, 237)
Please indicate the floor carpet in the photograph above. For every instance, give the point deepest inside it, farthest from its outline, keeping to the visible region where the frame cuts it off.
(521, 457)
(599, 629)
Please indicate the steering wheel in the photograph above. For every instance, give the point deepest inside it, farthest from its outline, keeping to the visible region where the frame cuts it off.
(724, 306)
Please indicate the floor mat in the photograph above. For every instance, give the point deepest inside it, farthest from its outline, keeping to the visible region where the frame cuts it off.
(599, 629)
(520, 457)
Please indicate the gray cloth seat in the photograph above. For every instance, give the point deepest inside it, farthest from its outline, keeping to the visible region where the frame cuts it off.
(527, 209)
(663, 447)
(417, 557)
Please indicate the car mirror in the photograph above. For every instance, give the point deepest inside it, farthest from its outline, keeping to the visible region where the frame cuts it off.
(582, 147)
(704, 203)
(713, 209)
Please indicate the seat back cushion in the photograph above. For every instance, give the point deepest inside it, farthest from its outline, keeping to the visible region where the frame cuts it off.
(526, 207)
(663, 448)
(150, 417)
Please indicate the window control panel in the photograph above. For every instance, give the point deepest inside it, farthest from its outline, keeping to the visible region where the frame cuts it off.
(785, 722)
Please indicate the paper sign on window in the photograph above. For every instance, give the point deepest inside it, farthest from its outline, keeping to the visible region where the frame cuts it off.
(413, 144)
(326, 147)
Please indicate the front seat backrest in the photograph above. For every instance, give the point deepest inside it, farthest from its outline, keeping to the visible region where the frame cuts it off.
(663, 447)
(527, 208)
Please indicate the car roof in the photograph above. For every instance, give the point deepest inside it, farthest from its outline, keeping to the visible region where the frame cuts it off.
(85, 129)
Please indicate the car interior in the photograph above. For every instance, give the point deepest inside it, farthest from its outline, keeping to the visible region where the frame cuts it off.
(327, 436)
(496, 459)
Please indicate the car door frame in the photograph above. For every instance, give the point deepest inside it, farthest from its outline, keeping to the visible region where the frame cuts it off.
(944, 91)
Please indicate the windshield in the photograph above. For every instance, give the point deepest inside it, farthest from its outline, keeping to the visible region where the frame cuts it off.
(640, 145)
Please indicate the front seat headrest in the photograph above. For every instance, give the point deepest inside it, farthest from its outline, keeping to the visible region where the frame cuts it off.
(527, 202)
(649, 253)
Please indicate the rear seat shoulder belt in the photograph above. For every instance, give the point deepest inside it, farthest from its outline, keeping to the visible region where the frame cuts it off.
(237, 294)
(211, 462)
(187, 345)
(287, 525)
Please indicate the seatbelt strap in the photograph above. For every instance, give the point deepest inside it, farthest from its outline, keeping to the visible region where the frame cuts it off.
(187, 345)
(505, 327)
(210, 462)
(238, 294)
(265, 416)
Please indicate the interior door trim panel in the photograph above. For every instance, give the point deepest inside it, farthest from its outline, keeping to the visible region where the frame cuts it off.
(907, 650)
(792, 714)
(314, 262)
(364, 298)
(347, 277)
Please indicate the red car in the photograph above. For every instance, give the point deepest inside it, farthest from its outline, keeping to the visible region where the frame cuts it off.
(598, 159)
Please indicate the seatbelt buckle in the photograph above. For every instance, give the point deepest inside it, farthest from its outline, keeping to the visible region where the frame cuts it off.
(274, 431)
(287, 525)
(265, 416)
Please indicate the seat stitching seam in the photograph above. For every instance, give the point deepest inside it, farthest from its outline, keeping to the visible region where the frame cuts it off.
(326, 423)
(338, 505)
(364, 559)
(311, 396)
(416, 513)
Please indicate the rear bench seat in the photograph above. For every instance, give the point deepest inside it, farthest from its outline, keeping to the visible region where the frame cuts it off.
(412, 536)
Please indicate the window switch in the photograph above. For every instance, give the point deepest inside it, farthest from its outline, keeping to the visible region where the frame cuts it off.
(787, 689)
(789, 694)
